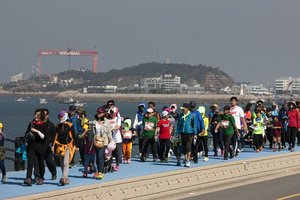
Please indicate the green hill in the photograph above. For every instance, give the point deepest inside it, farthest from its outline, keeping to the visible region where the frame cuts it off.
(211, 78)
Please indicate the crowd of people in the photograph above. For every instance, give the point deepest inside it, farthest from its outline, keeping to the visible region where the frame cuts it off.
(106, 141)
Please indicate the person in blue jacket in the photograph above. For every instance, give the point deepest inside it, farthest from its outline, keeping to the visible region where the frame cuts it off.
(199, 123)
(187, 129)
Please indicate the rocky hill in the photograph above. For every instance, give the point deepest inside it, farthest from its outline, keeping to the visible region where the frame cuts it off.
(211, 78)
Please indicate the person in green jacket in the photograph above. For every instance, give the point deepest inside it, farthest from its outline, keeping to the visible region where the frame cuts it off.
(227, 124)
(148, 133)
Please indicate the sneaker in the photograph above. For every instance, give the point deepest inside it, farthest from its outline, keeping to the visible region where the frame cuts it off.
(53, 177)
(205, 159)
(116, 168)
(292, 149)
(178, 164)
(128, 161)
(40, 181)
(100, 176)
(187, 164)
(257, 150)
(64, 181)
(3, 179)
(143, 159)
(84, 175)
(28, 182)
(200, 153)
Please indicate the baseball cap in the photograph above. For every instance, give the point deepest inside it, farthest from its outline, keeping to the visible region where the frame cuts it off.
(185, 105)
(72, 108)
(214, 105)
(150, 110)
(62, 113)
(227, 107)
(164, 113)
(100, 110)
(192, 104)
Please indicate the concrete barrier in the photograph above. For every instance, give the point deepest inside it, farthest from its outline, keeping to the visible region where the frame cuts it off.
(148, 186)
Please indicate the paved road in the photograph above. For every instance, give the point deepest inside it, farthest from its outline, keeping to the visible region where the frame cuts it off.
(281, 188)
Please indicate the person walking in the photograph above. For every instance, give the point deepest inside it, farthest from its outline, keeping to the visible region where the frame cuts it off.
(293, 126)
(228, 127)
(64, 145)
(163, 134)
(103, 132)
(187, 129)
(38, 140)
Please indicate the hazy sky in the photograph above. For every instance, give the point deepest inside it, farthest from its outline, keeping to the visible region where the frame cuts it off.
(255, 40)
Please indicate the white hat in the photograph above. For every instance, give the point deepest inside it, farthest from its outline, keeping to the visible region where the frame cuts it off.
(164, 113)
(150, 110)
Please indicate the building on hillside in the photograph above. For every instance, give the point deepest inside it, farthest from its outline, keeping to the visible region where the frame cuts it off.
(101, 89)
(286, 85)
(256, 90)
(196, 89)
(166, 82)
(17, 77)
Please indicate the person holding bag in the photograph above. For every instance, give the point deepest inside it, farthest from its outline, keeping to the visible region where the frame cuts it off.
(103, 136)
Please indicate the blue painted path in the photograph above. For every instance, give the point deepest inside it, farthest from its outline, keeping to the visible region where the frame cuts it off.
(14, 185)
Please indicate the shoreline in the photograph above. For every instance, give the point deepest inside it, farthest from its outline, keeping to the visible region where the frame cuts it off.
(136, 98)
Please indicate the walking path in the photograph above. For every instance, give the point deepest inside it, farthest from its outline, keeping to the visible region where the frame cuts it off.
(14, 186)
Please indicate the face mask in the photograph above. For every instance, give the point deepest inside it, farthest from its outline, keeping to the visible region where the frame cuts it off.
(101, 118)
(64, 118)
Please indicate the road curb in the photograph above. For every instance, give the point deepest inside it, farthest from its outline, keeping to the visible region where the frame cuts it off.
(147, 186)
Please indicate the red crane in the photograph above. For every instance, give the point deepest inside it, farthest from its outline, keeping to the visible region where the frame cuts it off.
(69, 52)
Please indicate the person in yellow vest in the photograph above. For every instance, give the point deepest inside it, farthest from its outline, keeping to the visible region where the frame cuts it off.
(258, 130)
(202, 139)
(64, 145)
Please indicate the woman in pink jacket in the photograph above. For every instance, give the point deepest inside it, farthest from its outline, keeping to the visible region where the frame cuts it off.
(293, 126)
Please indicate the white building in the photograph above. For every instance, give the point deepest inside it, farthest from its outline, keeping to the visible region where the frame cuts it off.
(16, 78)
(166, 82)
(256, 90)
(287, 85)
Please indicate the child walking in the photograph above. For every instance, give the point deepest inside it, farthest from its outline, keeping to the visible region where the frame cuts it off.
(89, 154)
(127, 133)
(277, 130)
(258, 130)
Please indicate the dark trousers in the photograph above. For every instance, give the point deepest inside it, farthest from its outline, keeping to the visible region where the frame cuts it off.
(88, 158)
(164, 148)
(100, 159)
(217, 141)
(80, 143)
(117, 153)
(146, 143)
(291, 136)
(298, 138)
(202, 144)
(186, 142)
(258, 140)
(2, 167)
(32, 156)
(49, 162)
(283, 137)
(270, 137)
(227, 141)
